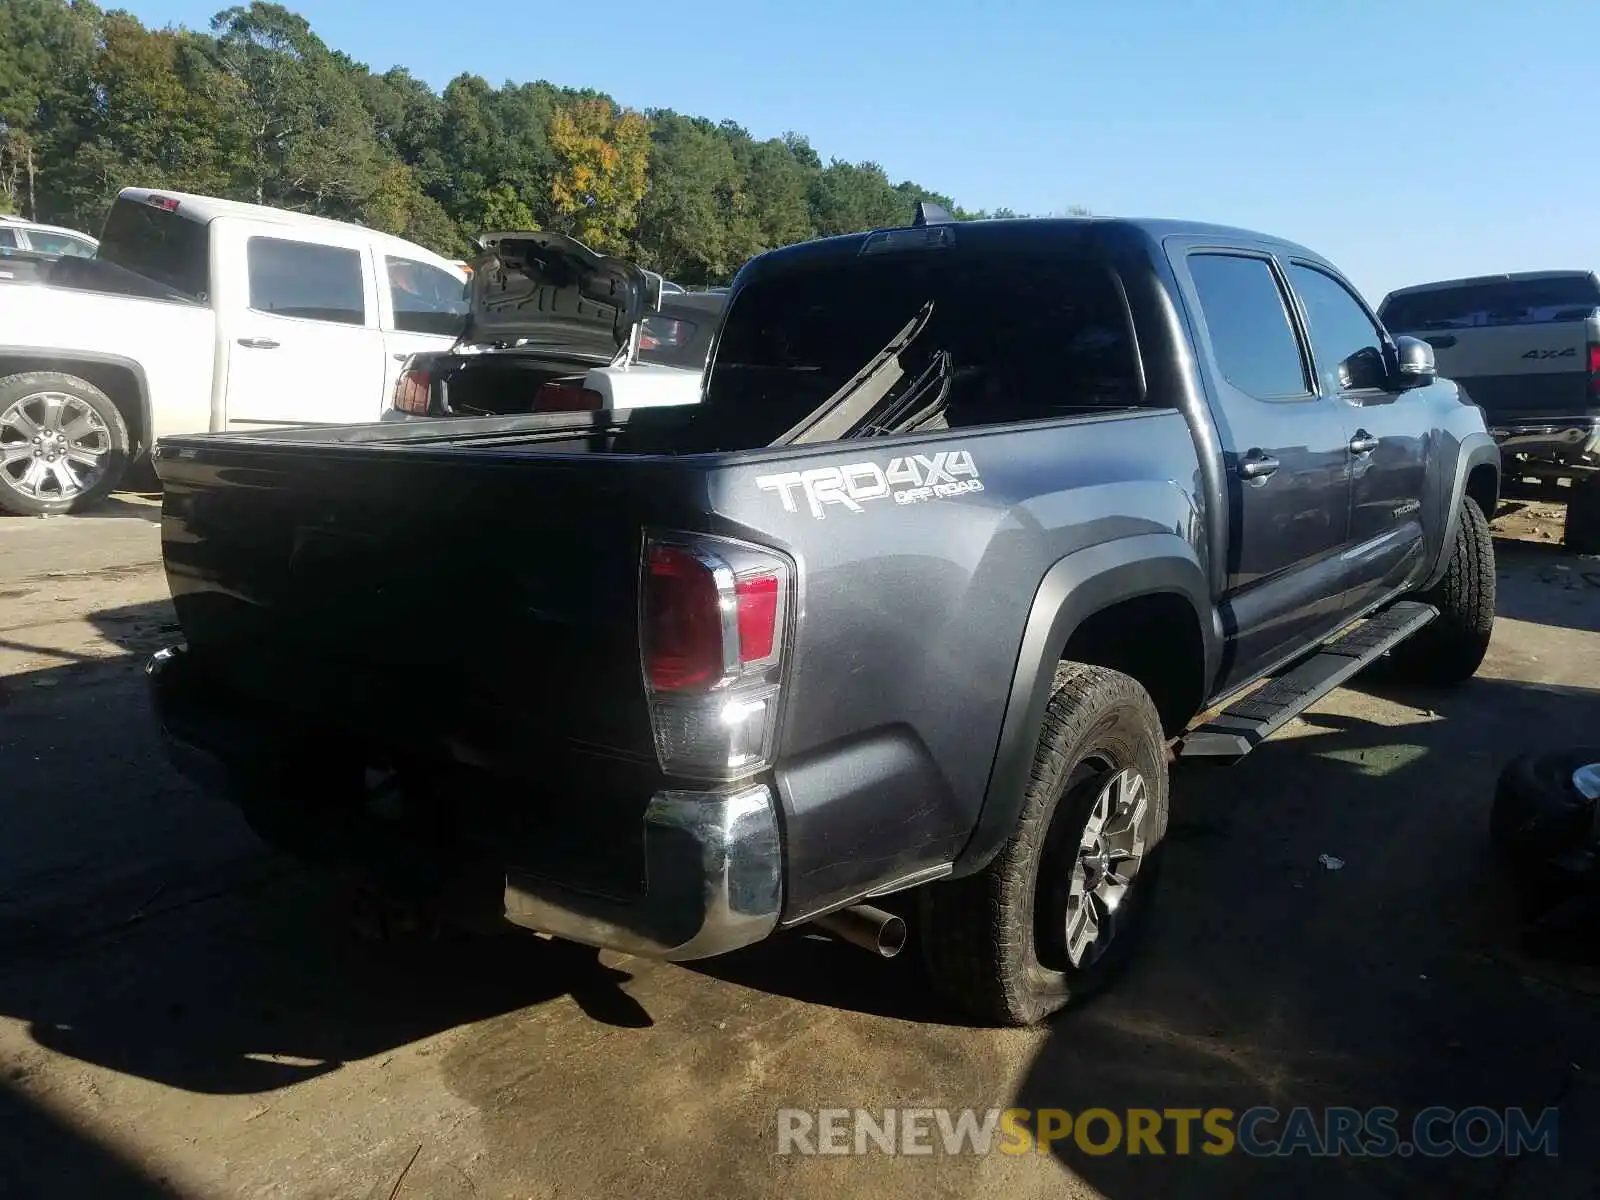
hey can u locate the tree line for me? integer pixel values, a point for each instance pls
(260, 109)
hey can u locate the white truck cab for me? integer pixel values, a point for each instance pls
(201, 315)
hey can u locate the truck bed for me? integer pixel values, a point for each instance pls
(466, 593)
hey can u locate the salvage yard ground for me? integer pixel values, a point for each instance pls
(178, 1015)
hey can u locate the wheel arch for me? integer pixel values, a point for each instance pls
(1086, 608)
(120, 378)
(1476, 474)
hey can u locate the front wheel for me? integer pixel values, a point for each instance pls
(1451, 647)
(1063, 903)
(63, 443)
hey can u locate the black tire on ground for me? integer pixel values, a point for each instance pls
(1538, 813)
(996, 942)
(52, 497)
(1581, 533)
(1450, 648)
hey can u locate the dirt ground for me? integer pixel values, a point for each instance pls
(181, 1015)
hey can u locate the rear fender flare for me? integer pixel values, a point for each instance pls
(1074, 589)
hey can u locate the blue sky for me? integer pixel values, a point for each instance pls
(1404, 142)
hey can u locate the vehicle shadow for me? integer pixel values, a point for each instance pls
(1386, 974)
(125, 503)
(1546, 585)
(143, 927)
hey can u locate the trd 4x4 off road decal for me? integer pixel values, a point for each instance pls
(908, 480)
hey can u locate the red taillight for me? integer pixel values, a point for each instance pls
(713, 623)
(567, 397)
(757, 601)
(164, 203)
(682, 621)
(1594, 369)
(411, 392)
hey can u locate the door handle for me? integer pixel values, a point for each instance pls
(1363, 443)
(1257, 465)
(258, 343)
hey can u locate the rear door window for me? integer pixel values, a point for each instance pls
(8, 238)
(425, 299)
(1028, 336)
(1499, 302)
(1247, 318)
(306, 280)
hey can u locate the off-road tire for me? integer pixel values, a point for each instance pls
(1450, 648)
(16, 387)
(1581, 531)
(980, 941)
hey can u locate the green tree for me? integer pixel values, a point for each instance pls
(260, 109)
(602, 160)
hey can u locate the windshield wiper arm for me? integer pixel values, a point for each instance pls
(842, 413)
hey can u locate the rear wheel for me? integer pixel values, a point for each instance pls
(63, 444)
(1062, 905)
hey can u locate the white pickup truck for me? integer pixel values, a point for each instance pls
(200, 315)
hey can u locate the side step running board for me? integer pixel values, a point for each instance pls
(1245, 724)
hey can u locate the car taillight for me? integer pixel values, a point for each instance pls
(164, 203)
(1594, 369)
(713, 626)
(566, 397)
(411, 392)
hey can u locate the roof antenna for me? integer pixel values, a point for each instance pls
(929, 213)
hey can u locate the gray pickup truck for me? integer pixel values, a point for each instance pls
(977, 527)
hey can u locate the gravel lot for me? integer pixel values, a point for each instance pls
(180, 1015)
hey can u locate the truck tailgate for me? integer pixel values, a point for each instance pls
(1514, 370)
(350, 585)
(1520, 345)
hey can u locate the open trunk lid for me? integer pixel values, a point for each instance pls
(550, 294)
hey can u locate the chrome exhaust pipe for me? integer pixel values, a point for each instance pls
(884, 934)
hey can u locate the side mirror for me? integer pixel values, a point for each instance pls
(1414, 364)
(1364, 370)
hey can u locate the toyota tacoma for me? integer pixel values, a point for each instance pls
(976, 528)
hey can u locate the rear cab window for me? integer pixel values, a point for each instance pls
(1247, 319)
(1492, 303)
(306, 280)
(1029, 335)
(165, 246)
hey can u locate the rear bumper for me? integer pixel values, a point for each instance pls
(713, 861)
(1564, 440)
(715, 882)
